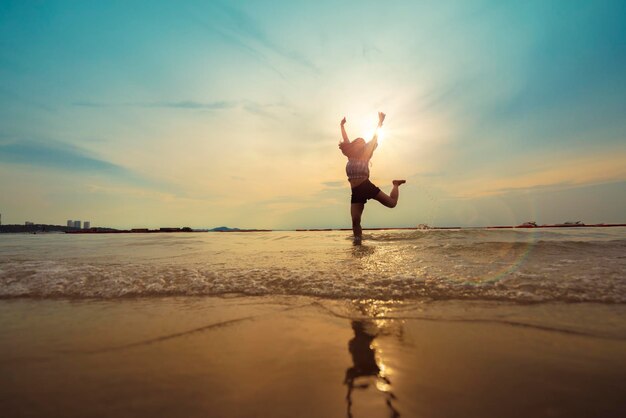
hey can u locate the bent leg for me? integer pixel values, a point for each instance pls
(390, 200)
(356, 209)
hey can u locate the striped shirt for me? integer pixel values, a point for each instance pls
(357, 169)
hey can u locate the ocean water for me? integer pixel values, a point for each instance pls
(533, 265)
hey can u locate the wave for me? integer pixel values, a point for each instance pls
(70, 280)
(518, 266)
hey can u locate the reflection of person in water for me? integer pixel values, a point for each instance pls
(364, 364)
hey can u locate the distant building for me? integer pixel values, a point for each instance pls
(87, 225)
(27, 223)
(77, 224)
(70, 223)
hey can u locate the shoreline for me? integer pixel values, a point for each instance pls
(435, 228)
(189, 230)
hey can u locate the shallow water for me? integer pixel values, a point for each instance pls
(542, 265)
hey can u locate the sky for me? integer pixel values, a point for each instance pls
(209, 113)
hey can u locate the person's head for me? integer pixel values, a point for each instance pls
(354, 148)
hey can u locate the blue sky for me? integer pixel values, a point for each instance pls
(209, 113)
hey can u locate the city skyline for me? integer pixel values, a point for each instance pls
(227, 113)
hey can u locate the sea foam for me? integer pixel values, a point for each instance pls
(510, 265)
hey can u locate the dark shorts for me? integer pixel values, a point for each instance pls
(364, 191)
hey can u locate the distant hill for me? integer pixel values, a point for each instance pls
(224, 229)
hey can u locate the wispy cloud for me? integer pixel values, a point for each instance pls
(260, 109)
(239, 29)
(190, 104)
(248, 30)
(334, 184)
(573, 172)
(183, 104)
(61, 156)
(243, 46)
(53, 154)
(13, 97)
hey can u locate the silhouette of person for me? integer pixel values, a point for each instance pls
(364, 364)
(359, 154)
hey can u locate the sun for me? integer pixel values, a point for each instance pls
(369, 134)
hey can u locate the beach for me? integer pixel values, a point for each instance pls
(303, 324)
(288, 356)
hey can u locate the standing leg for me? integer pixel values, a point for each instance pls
(390, 200)
(356, 209)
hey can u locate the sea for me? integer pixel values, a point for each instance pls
(522, 266)
(413, 323)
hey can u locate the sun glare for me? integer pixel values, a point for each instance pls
(369, 134)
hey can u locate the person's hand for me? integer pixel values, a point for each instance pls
(381, 118)
(343, 121)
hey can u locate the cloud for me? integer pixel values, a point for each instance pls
(260, 109)
(239, 29)
(334, 184)
(53, 154)
(256, 54)
(84, 103)
(56, 155)
(182, 104)
(567, 173)
(249, 30)
(190, 104)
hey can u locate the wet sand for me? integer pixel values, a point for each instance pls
(305, 357)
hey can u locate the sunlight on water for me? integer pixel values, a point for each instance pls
(536, 265)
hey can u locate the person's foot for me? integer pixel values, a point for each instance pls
(398, 182)
(357, 241)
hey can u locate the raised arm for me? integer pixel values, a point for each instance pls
(373, 143)
(381, 119)
(344, 135)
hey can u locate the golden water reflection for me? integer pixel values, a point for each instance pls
(368, 364)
